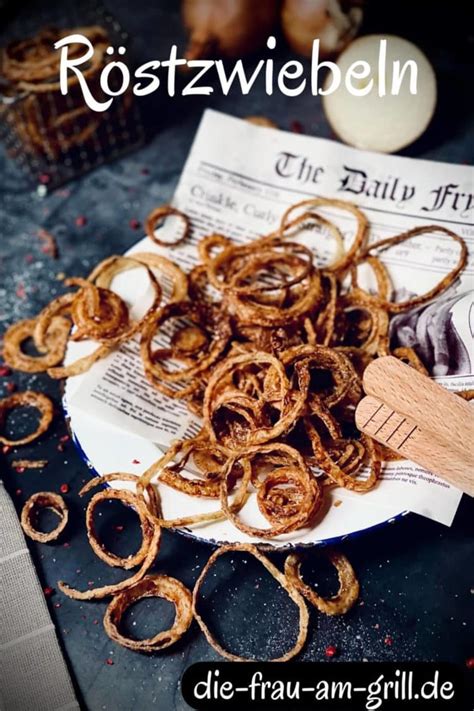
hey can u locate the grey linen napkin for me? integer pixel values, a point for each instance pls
(33, 674)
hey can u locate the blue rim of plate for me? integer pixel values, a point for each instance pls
(188, 533)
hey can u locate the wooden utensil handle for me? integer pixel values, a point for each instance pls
(443, 436)
(402, 434)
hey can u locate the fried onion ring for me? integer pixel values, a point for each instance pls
(335, 472)
(42, 500)
(151, 586)
(214, 330)
(285, 584)
(360, 237)
(147, 528)
(52, 346)
(246, 406)
(346, 596)
(301, 511)
(28, 398)
(114, 589)
(446, 281)
(157, 216)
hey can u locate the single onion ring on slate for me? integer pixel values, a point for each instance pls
(42, 500)
(346, 596)
(151, 586)
(278, 575)
(146, 525)
(28, 398)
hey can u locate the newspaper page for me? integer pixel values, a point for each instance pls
(238, 180)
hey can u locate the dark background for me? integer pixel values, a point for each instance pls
(416, 576)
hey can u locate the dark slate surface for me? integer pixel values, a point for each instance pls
(416, 576)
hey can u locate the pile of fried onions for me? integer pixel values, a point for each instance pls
(264, 345)
(269, 349)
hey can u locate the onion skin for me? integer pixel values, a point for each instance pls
(228, 28)
(303, 21)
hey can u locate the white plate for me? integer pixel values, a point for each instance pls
(107, 448)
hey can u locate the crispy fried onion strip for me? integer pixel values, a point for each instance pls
(334, 471)
(360, 236)
(147, 527)
(446, 281)
(211, 242)
(322, 326)
(268, 282)
(102, 277)
(203, 483)
(200, 336)
(98, 314)
(410, 357)
(346, 596)
(41, 500)
(156, 218)
(288, 496)
(167, 471)
(81, 365)
(29, 463)
(277, 267)
(347, 454)
(285, 584)
(52, 346)
(28, 398)
(382, 277)
(151, 586)
(60, 306)
(304, 221)
(283, 495)
(286, 304)
(361, 324)
(152, 499)
(114, 589)
(167, 272)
